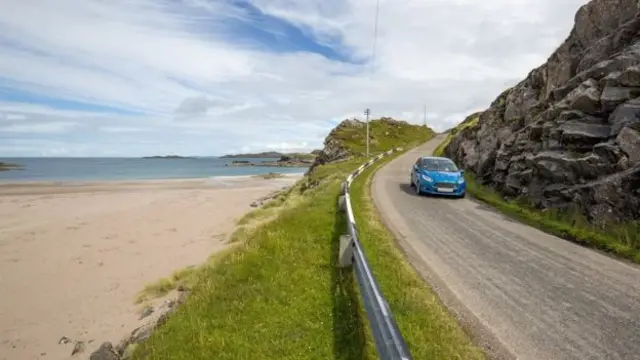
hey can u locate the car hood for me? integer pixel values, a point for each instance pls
(443, 176)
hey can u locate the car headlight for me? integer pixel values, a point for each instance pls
(461, 180)
(426, 178)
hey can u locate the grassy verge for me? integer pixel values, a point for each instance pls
(430, 331)
(619, 239)
(278, 293)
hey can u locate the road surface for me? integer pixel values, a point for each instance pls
(523, 293)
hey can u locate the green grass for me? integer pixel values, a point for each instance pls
(384, 136)
(430, 331)
(184, 277)
(622, 240)
(468, 122)
(277, 293)
(302, 156)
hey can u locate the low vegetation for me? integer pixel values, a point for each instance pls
(619, 239)
(384, 135)
(278, 294)
(468, 122)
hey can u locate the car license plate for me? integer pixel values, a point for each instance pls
(447, 190)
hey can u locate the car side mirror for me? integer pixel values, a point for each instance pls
(415, 167)
(461, 172)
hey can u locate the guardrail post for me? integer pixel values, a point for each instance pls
(346, 251)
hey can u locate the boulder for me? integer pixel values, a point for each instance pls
(106, 351)
(629, 141)
(627, 114)
(582, 136)
(585, 98)
(613, 96)
(630, 77)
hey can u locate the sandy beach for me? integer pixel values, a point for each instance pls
(74, 256)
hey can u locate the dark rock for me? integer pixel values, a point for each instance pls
(614, 96)
(78, 348)
(630, 77)
(582, 136)
(105, 352)
(585, 98)
(148, 310)
(629, 141)
(627, 114)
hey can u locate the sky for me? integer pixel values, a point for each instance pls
(211, 77)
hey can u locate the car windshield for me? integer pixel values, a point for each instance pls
(439, 165)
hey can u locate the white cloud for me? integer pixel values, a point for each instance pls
(205, 86)
(46, 128)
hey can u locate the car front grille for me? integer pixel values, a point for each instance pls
(445, 185)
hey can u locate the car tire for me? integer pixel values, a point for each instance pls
(417, 185)
(411, 184)
(462, 196)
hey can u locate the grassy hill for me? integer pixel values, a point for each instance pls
(278, 293)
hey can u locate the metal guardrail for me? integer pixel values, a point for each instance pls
(389, 341)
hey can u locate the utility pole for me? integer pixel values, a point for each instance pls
(367, 112)
(425, 115)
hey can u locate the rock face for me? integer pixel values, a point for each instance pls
(569, 134)
(334, 147)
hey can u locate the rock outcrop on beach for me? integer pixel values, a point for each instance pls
(157, 317)
(284, 161)
(569, 134)
(8, 166)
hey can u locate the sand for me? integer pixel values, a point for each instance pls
(74, 256)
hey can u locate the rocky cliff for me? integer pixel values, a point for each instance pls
(569, 133)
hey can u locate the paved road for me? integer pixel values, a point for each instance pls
(523, 293)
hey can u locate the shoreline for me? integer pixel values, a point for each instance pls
(214, 182)
(79, 254)
(17, 182)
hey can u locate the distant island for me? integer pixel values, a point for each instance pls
(8, 166)
(273, 155)
(169, 157)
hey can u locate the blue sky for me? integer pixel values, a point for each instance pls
(208, 77)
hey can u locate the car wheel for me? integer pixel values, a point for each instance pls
(462, 195)
(417, 185)
(411, 181)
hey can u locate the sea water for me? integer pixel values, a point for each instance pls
(116, 169)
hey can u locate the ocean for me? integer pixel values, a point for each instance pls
(118, 169)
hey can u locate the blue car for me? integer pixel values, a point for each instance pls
(438, 176)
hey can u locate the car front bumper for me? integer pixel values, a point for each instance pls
(430, 188)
